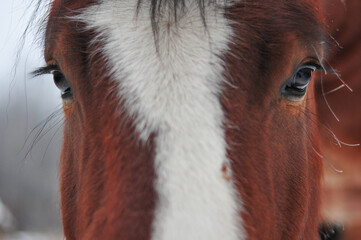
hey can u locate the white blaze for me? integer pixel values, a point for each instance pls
(175, 93)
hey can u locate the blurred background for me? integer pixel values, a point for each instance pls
(30, 131)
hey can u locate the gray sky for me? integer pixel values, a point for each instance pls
(28, 186)
(14, 16)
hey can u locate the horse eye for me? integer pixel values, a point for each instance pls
(63, 84)
(296, 87)
(302, 78)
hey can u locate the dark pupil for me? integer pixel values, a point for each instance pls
(61, 82)
(302, 78)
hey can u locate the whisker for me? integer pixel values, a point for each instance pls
(340, 143)
(307, 133)
(320, 60)
(335, 41)
(322, 87)
(350, 144)
(43, 130)
(319, 124)
(47, 131)
(314, 149)
(324, 97)
(47, 119)
(332, 70)
(333, 166)
(51, 139)
(318, 154)
(339, 78)
(335, 89)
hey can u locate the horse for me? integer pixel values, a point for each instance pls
(188, 119)
(341, 197)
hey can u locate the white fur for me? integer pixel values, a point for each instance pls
(175, 94)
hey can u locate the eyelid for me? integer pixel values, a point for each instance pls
(320, 67)
(312, 64)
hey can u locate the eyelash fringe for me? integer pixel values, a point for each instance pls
(44, 70)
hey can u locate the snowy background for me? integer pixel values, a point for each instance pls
(29, 146)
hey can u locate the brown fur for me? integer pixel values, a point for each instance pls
(107, 174)
(270, 139)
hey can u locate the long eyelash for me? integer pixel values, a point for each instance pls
(44, 70)
(326, 70)
(316, 65)
(319, 67)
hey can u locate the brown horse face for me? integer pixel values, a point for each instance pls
(198, 126)
(271, 132)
